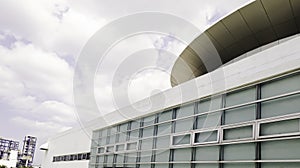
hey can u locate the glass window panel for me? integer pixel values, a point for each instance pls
(239, 152)
(135, 124)
(100, 133)
(94, 143)
(149, 120)
(110, 149)
(209, 104)
(216, 103)
(104, 132)
(132, 146)
(120, 147)
(146, 144)
(165, 116)
(238, 132)
(207, 153)
(181, 165)
(101, 150)
(181, 139)
(102, 141)
(123, 127)
(281, 86)
(162, 156)
(241, 96)
(184, 124)
(209, 136)
(241, 114)
(110, 158)
(148, 131)
(163, 142)
(120, 158)
(161, 165)
(94, 150)
(183, 154)
(203, 106)
(134, 134)
(164, 128)
(145, 165)
(280, 150)
(145, 156)
(113, 130)
(206, 165)
(282, 106)
(211, 120)
(280, 127)
(122, 137)
(280, 165)
(112, 139)
(95, 134)
(131, 157)
(239, 165)
(100, 159)
(185, 111)
(97, 159)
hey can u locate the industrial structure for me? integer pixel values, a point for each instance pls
(234, 103)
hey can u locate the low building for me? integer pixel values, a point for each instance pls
(9, 152)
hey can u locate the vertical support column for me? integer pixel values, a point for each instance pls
(258, 116)
(222, 122)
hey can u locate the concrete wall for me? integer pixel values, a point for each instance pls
(70, 142)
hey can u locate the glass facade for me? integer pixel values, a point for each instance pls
(256, 126)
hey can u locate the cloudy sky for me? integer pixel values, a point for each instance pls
(40, 41)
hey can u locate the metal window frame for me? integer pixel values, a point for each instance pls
(184, 119)
(233, 126)
(118, 144)
(130, 136)
(104, 150)
(180, 134)
(109, 152)
(131, 142)
(169, 123)
(273, 120)
(206, 130)
(148, 127)
(145, 139)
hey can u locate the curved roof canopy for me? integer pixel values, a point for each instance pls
(254, 25)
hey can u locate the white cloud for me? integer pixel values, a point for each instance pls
(36, 21)
(33, 71)
(55, 111)
(36, 84)
(35, 127)
(2, 37)
(148, 83)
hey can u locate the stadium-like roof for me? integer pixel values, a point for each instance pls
(257, 24)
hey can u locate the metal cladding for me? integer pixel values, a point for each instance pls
(254, 25)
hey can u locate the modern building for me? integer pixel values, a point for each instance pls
(235, 103)
(27, 155)
(8, 152)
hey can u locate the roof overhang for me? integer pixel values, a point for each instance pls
(254, 25)
(45, 146)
